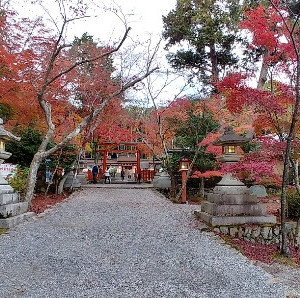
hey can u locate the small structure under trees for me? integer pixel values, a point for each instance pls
(231, 203)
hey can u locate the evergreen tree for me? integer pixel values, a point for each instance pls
(207, 33)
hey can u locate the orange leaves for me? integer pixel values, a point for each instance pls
(177, 110)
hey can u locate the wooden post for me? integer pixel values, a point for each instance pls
(104, 160)
(138, 162)
(183, 179)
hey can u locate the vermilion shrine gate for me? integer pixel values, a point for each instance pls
(127, 155)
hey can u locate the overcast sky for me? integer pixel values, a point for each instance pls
(143, 16)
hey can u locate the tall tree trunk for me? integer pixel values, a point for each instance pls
(284, 247)
(173, 185)
(284, 244)
(214, 62)
(202, 193)
(297, 234)
(263, 72)
(31, 180)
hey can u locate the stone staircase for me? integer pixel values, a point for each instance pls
(12, 211)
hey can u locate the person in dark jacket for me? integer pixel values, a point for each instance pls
(122, 174)
(95, 171)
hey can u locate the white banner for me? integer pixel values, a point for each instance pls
(6, 169)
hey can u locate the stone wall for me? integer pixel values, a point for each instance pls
(264, 234)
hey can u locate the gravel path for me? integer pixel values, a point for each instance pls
(123, 243)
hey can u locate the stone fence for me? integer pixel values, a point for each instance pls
(264, 234)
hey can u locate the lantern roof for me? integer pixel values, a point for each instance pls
(230, 138)
(184, 159)
(6, 135)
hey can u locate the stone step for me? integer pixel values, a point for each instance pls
(10, 222)
(9, 198)
(234, 199)
(235, 220)
(6, 189)
(13, 209)
(230, 210)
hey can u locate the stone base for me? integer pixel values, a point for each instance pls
(234, 199)
(13, 209)
(233, 209)
(235, 220)
(10, 222)
(231, 203)
(5, 189)
(72, 181)
(82, 179)
(9, 198)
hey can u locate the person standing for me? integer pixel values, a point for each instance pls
(139, 176)
(95, 171)
(107, 176)
(122, 174)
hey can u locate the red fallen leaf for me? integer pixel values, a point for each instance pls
(262, 252)
(41, 202)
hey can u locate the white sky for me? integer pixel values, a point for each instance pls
(143, 16)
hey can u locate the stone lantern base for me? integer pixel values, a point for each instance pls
(232, 204)
(12, 211)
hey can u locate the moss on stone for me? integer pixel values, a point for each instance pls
(2, 231)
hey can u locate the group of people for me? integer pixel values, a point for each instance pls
(95, 172)
(106, 175)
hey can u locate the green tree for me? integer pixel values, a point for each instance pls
(207, 32)
(188, 134)
(6, 112)
(24, 150)
(191, 132)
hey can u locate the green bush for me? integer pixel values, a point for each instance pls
(293, 204)
(18, 181)
(24, 150)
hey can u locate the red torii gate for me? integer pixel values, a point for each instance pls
(111, 148)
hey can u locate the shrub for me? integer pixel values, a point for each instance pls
(24, 150)
(293, 204)
(18, 181)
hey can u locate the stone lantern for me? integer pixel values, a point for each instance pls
(12, 211)
(4, 137)
(230, 142)
(231, 202)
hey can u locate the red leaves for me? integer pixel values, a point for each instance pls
(233, 88)
(260, 166)
(256, 251)
(207, 174)
(259, 172)
(238, 95)
(263, 24)
(41, 202)
(209, 139)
